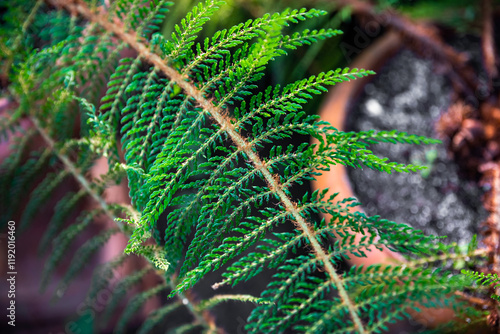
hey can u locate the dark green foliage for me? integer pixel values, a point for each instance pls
(186, 122)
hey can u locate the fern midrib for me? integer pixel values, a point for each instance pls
(76, 174)
(237, 210)
(225, 124)
(482, 252)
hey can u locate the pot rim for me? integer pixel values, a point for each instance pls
(339, 100)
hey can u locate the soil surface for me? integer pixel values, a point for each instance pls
(408, 95)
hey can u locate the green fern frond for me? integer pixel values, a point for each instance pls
(121, 289)
(82, 258)
(490, 280)
(184, 34)
(63, 241)
(40, 196)
(104, 274)
(62, 210)
(187, 328)
(157, 316)
(134, 304)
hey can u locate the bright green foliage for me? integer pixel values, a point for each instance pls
(187, 123)
(482, 279)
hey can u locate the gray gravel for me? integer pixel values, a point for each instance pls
(409, 96)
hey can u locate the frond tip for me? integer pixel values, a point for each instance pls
(489, 280)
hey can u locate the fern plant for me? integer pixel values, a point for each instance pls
(186, 122)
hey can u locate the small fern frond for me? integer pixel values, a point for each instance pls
(148, 20)
(184, 34)
(82, 257)
(62, 210)
(136, 303)
(40, 196)
(157, 316)
(120, 291)
(63, 241)
(482, 279)
(104, 275)
(215, 300)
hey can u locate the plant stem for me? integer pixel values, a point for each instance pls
(491, 200)
(488, 42)
(423, 36)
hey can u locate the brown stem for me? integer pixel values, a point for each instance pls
(422, 36)
(488, 42)
(473, 300)
(491, 177)
(491, 201)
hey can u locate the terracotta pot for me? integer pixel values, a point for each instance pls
(334, 111)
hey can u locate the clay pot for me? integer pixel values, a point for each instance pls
(334, 111)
